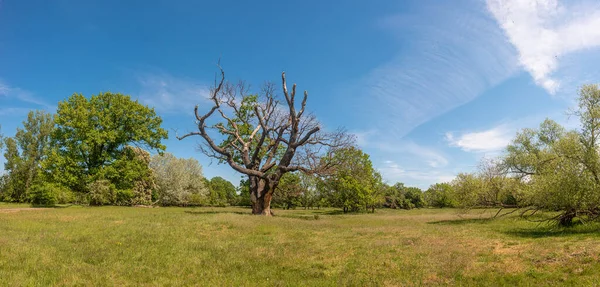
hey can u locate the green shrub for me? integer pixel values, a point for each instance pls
(64, 195)
(102, 192)
(197, 199)
(81, 198)
(43, 194)
(124, 196)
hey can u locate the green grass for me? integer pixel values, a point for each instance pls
(120, 246)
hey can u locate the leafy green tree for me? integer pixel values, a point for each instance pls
(440, 195)
(132, 177)
(288, 192)
(244, 193)
(400, 196)
(90, 139)
(561, 169)
(414, 197)
(467, 189)
(24, 153)
(222, 192)
(491, 186)
(355, 185)
(310, 195)
(179, 181)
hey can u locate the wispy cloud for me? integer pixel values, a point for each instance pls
(14, 111)
(364, 138)
(491, 140)
(420, 154)
(544, 30)
(422, 178)
(432, 157)
(169, 94)
(15, 101)
(448, 62)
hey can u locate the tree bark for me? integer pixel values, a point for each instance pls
(261, 193)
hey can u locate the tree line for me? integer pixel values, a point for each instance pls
(107, 149)
(96, 151)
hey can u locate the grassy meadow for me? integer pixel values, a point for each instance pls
(126, 246)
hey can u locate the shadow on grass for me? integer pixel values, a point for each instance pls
(51, 206)
(303, 217)
(462, 221)
(545, 231)
(311, 216)
(201, 212)
(328, 212)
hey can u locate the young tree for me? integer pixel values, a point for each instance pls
(289, 191)
(355, 185)
(222, 192)
(263, 140)
(91, 137)
(310, 195)
(414, 197)
(24, 152)
(440, 195)
(467, 189)
(243, 198)
(179, 181)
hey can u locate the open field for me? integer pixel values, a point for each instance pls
(110, 246)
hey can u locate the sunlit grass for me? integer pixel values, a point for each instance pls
(115, 246)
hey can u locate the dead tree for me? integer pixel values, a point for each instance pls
(264, 140)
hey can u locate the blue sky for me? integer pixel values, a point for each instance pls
(429, 87)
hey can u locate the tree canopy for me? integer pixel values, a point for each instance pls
(24, 153)
(91, 135)
(355, 184)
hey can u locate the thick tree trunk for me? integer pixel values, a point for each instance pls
(262, 206)
(261, 193)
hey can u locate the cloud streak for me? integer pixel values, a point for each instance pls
(543, 31)
(447, 63)
(421, 154)
(15, 101)
(169, 94)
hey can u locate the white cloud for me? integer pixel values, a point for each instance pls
(491, 140)
(544, 30)
(169, 94)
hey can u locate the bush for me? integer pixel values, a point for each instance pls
(102, 192)
(44, 194)
(124, 197)
(81, 198)
(64, 195)
(197, 199)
